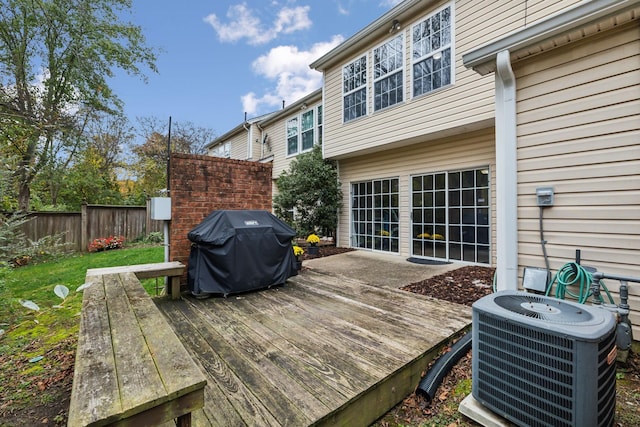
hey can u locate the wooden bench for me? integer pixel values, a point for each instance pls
(130, 369)
(173, 270)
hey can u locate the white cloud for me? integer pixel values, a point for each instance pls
(288, 67)
(244, 24)
(291, 20)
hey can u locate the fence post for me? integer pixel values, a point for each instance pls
(147, 221)
(83, 229)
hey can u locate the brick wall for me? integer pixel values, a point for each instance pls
(202, 184)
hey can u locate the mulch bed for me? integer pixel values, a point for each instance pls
(464, 285)
(324, 251)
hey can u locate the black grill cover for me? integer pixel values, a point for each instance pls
(236, 251)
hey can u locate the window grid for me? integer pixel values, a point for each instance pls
(450, 215)
(432, 52)
(320, 119)
(292, 136)
(354, 89)
(307, 130)
(222, 150)
(301, 131)
(374, 212)
(388, 73)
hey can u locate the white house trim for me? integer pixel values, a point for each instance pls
(506, 175)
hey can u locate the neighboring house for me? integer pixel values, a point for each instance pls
(277, 137)
(244, 142)
(439, 162)
(294, 130)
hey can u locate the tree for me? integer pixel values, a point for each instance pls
(7, 201)
(55, 59)
(149, 166)
(91, 174)
(309, 194)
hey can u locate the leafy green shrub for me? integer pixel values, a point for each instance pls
(17, 250)
(154, 237)
(309, 194)
(12, 239)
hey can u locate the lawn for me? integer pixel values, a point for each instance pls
(37, 347)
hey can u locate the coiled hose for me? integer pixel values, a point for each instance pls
(570, 276)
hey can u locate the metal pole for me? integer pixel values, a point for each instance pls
(166, 223)
(169, 158)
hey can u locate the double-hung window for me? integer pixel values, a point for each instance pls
(354, 89)
(432, 52)
(292, 136)
(303, 131)
(320, 120)
(308, 129)
(388, 73)
(222, 150)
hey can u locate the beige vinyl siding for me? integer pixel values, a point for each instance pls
(278, 143)
(239, 146)
(464, 151)
(468, 103)
(252, 143)
(536, 10)
(579, 131)
(256, 143)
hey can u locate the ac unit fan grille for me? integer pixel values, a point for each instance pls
(606, 381)
(541, 308)
(525, 371)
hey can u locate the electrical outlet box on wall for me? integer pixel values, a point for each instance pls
(161, 208)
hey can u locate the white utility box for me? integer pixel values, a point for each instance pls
(161, 208)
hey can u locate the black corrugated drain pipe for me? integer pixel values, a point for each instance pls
(432, 380)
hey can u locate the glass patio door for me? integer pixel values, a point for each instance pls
(375, 215)
(450, 215)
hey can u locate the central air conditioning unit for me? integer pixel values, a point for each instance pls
(541, 361)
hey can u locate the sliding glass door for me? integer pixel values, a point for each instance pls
(450, 215)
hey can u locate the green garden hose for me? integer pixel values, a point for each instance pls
(573, 275)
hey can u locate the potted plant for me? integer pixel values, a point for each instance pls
(298, 252)
(313, 240)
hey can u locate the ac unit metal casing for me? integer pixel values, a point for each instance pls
(541, 361)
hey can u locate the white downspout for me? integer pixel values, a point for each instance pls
(506, 175)
(248, 129)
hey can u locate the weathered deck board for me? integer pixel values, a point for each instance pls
(142, 271)
(131, 369)
(94, 370)
(320, 350)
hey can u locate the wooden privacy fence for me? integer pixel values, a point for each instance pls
(94, 221)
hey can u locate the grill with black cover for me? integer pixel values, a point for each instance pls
(234, 251)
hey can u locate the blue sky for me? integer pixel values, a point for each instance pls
(219, 59)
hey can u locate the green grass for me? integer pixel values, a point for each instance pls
(28, 333)
(36, 283)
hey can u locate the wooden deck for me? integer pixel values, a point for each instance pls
(319, 350)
